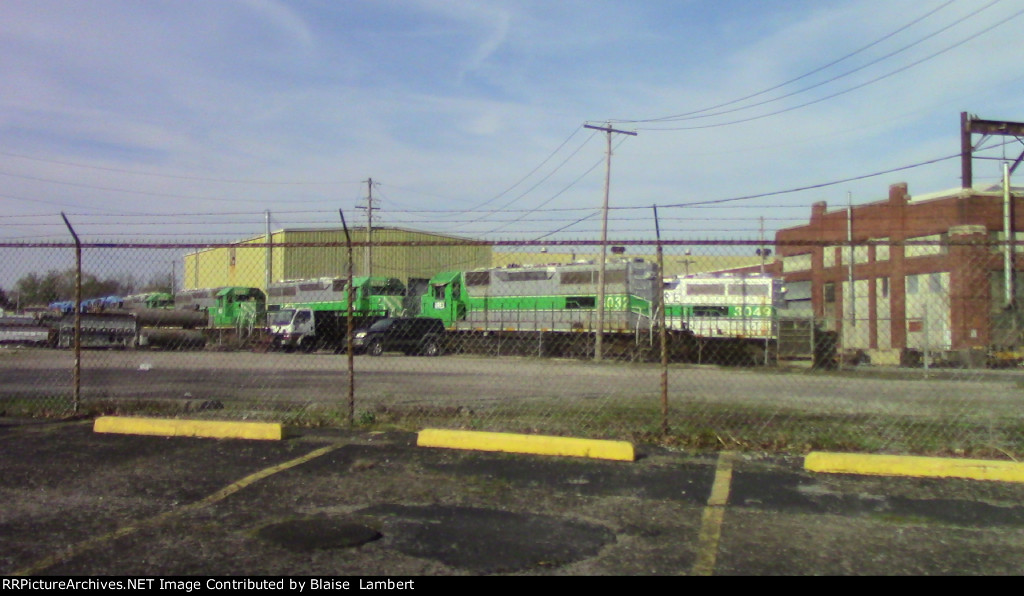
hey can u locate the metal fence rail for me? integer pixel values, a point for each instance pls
(921, 358)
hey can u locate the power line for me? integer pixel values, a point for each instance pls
(567, 187)
(542, 180)
(685, 115)
(539, 166)
(850, 89)
(813, 186)
(173, 176)
(517, 183)
(837, 77)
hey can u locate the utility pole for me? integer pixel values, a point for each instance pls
(850, 265)
(368, 251)
(1008, 247)
(762, 252)
(599, 336)
(269, 257)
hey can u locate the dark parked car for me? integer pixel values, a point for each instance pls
(412, 335)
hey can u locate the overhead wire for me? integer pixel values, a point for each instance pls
(522, 179)
(699, 114)
(567, 187)
(545, 178)
(713, 203)
(847, 90)
(802, 76)
(173, 176)
(538, 167)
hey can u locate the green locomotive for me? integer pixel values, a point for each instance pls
(311, 314)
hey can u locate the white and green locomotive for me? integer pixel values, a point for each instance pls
(561, 297)
(548, 310)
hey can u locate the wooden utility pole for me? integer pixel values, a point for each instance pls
(599, 336)
(850, 266)
(269, 257)
(368, 251)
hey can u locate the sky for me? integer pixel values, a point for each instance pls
(196, 120)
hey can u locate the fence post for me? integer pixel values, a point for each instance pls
(926, 356)
(659, 301)
(77, 376)
(348, 327)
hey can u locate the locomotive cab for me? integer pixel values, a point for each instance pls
(445, 300)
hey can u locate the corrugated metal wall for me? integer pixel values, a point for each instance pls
(242, 266)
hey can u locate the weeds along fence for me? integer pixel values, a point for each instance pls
(707, 345)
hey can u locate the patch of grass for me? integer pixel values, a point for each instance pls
(694, 425)
(901, 520)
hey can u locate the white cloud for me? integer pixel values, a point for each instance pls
(456, 101)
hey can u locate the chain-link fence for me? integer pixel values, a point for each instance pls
(700, 344)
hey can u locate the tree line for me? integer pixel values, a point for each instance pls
(34, 289)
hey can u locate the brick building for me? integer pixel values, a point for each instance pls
(928, 273)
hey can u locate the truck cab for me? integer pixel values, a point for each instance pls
(292, 328)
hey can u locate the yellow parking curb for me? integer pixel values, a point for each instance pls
(168, 427)
(536, 444)
(906, 465)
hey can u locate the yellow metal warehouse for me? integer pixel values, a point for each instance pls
(312, 253)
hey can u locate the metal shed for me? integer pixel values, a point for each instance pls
(409, 255)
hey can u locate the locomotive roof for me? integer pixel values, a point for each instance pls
(445, 277)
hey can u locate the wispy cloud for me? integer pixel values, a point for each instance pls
(450, 102)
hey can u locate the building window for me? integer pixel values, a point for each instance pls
(912, 284)
(881, 250)
(935, 283)
(830, 292)
(923, 246)
(796, 263)
(883, 287)
(829, 256)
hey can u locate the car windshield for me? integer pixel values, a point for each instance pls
(281, 317)
(381, 325)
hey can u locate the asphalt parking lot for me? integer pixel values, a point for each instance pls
(328, 502)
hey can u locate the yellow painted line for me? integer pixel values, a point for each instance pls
(516, 443)
(170, 427)
(714, 512)
(906, 465)
(86, 545)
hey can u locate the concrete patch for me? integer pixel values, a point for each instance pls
(169, 427)
(535, 444)
(902, 465)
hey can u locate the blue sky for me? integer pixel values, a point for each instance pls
(188, 120)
